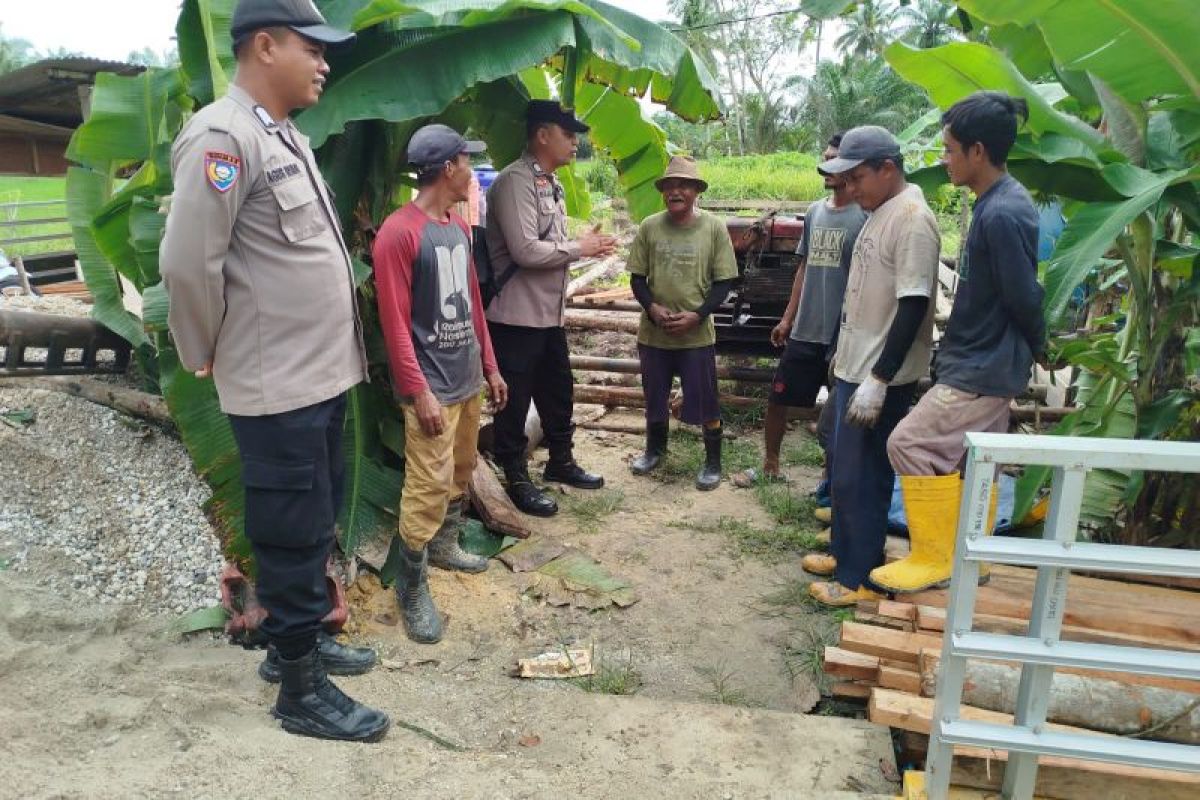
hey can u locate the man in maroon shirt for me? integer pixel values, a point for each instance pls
(441, 355)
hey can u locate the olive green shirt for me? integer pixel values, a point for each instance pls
(681, 263)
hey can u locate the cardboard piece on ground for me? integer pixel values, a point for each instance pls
(531, 554)
(570, 663)
(492, 503)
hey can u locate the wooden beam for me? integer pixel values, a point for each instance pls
(885, 643)
(850, 665)
(911, 713)
(902, 680)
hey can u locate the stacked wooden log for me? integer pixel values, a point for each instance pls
(890, 653)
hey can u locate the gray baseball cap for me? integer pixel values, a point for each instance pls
(302, 16)
(858, 145)
(435, 144)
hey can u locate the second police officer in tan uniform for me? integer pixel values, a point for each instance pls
(530, 254)
(262, 299)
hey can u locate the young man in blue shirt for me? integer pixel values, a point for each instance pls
(995, 333)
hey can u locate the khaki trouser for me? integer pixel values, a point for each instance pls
(929, 441)
(436, 469)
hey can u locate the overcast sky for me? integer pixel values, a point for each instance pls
(112, 29)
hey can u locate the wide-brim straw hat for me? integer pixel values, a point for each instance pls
(685, 168)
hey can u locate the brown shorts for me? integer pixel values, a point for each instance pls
(930, 440)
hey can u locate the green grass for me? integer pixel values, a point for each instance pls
(609, 678)
(15, 189)
(723, 690)
(770, 543)
(790, 509)
(805, 454)
(778, 176)
(685, 456)
(588, 510)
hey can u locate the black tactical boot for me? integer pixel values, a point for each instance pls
(336, 659)
(561, 468)
(656, 449)
(527, 497)
(709, 476)
(443, 548)
(309, 705)
(422, 622)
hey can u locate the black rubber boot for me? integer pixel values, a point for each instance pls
(709, 476)
(561, 468)
(422, 622)
(527, 497)
(444, 550)
(336, 659)
(656, 449)
(309, 705)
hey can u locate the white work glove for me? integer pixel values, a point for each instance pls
(866, 403)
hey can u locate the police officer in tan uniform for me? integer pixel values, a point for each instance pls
(530, 253)
(262, 300)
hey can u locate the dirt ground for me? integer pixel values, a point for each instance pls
(100, 701)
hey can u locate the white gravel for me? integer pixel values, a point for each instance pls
(48, 304)
(95, 501)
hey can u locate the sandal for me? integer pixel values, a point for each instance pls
(749, 478)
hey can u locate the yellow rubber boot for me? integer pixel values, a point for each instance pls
(931, 506)
(819, 564)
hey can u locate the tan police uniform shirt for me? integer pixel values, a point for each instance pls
(527, 225)
(259, 278)
(895, 255)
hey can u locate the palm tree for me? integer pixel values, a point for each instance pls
(868, 29)
(859, 92)
(927, 24)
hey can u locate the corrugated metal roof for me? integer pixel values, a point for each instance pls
(48, 91)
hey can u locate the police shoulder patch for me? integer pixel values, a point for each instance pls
(221, 170)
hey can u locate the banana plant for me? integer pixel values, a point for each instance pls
(469, 63)
(1114, 131)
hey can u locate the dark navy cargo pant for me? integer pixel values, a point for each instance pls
(292, 470)
(861, 484)
(536, 365)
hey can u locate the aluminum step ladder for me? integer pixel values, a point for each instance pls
(1040, 651)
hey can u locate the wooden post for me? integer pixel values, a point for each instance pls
(19, 264)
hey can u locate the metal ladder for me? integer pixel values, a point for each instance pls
(1041, 649)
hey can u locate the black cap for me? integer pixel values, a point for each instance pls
(301, 16)
(436, 144)
(858, 145)
(552, 111)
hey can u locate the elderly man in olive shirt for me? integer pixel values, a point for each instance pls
(530, 253)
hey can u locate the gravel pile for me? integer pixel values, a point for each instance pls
(48, 304)
(93, 501)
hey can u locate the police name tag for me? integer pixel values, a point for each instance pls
(221, 170)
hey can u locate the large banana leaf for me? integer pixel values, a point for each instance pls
(1143, 49)
(637, 145)
(953, 71)
(206, 47)
(1091, 231)
(86, 190)
(420, 81)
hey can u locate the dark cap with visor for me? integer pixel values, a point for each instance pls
(861, 144)
(437, 144)
(302, 16)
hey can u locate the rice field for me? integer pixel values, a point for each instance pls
(32, 190)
